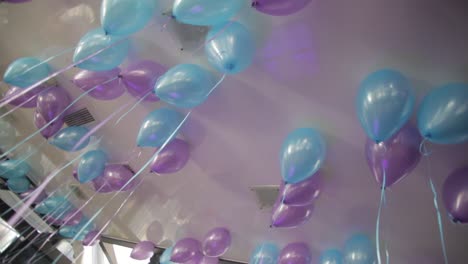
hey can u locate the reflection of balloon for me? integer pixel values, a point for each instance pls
(143, 250)
(108, 59)
(13, 168)
(117, 176)
(205, 12)
(166, 256)
(7, 134)
(157, 127)
(26, 100)
(50, 105)
(27, 194)
(155, 232)
(359, 250)
(455, 195)
(25, 72)
(125, 17)
(67, 138)
(91, 165)
(295, 253)
(185, 85)
(302, 154)
(98, 82)
(217, 241)
(185, 250)
(265, 253)
(290, 216)
(18, 185)
(302, 193)
(443, 114)
(331, 256)
(72, 218)
(279, 7)
(172, 158)
(384, 103)
(51, 129)
(230, 47)
(91, 238)
(140, 77)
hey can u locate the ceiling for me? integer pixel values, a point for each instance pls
(306, 73)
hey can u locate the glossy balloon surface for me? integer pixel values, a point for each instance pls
(25, 72)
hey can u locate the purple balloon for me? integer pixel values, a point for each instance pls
(29, 99)
(51, 102)
(172, 158)
(217, 241)
(75, 174)
(140, 77)
(302, 193)
(279, 7)
(143, 250)
(51, 129)
(290, 216)
(72, 218)
(397, 156)
(295, 253)
(186, 249)
(91, 238)
(103, 89)
(42, 196)
(101, 185)
(455, 195)
(16, 1)
(117, 175)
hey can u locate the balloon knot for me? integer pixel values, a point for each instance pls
(271, 226)
(255, 3)
(120, 76)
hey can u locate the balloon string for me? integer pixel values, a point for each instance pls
(21, 105)
(134, 106)
(423, 148)
(377, 225)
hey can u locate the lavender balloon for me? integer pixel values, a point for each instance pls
(217, 241)
(455, 195)
(51, 102)
(397, 156)
(140, 77)
(51, 129)
(143, 250)
(172, 158)
(26, 100)
(105, 85)
(302, 193)
(101, 185)
(91, 238)
(117, 175)
(295, 253)
(185, 250)
(279, 7)
(286, 216)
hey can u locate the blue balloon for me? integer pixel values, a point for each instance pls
(331, 256)
(13, 168)
(265, 253)
(95, 40)
(302, 154)
(443, 114)
(72, 231)
(384, 103)
(230, 47)
(185, 85)
(359, 250)
(18, 185)
(25, 72)
(166, 256)
(54, 204)
(125, 17)
(158, 126)
(67, 138)
(205, 12)
(41, 208)
(91, 165)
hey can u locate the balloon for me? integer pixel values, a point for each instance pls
(117, 175)
(230, 47)
(295, 253)
(302, 155)
(185, 250)
(443, 114)
(172, 158)
(359, 250)
(91, 165)
(72, 231)
(331, 256)
(143, 250)
(384, 103)
(108, 59)
(51, 129)
(302, 193)
(7, 134)
(158, 126)
(25, 72)
(395, 157)
(58, 204)
(455, 195)
(265, 253)
(16, 1)
(279, 7)
(185, 85)
(72, 218)
(50, 105)
(98, 82)
(101, 185)
(155, 232)
(67, 138)
(205, 12)
(27, 194)
(26, 100)
(286, 216)
(125, 17)
(140, 77)
(13, 168)
(91, 238)
(18, 185)
(217, 241)
(166, 256)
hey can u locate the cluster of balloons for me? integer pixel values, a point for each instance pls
(358, 249)
(292, 253)
(14, 171)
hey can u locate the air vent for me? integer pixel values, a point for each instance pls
(266, 195)
(79, 118)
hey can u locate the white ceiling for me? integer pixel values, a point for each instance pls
(306, 73)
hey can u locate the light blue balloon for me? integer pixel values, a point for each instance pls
(72, 231)
(443, 114)
(67, 138)
(166, 256)
(25, 72)
(18, 185)
(185, 85)
(359, 250)
(125, 17)
(265, 253)
(331, 256)
(230, 47)
(95, 40)
(91, 165)
(384, 103)
(41, 208)
(302, 154)
(205, 12)
(158, 126)
(13, 168)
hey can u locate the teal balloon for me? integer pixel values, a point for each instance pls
(25, 72)
(205, 12)
(7, 134)
(302, 154)
(72, 231)
(91, 165)
(18, 185)
(158, 126)
(443, 114)
(13, 168)
(125, 17)
(166, 256)
(265, 253)
(95, 40)
(384, 103)
(230, 47)
(185, 85)
(67, 138)
(42, 209)
(54, 204)
(331, 256)
(359, 250)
